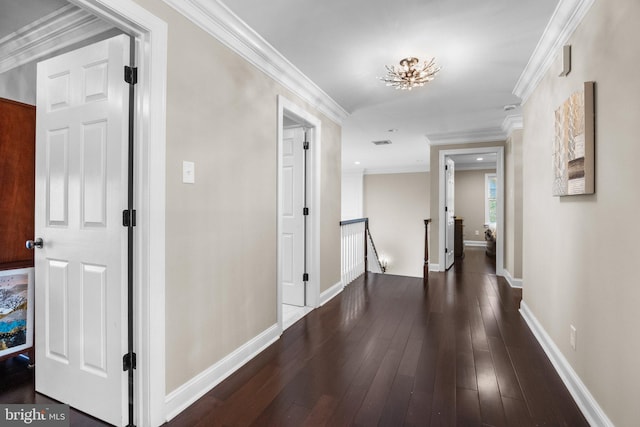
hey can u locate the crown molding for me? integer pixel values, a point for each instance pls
(396, 170)
(461, 167)
(57, 30)
(220, 22)
(472, 136)
(353, 171)
(511, 123)
(563, 22)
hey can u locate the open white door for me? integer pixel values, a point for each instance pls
(292, 238)
(449, 212)
(81, 191)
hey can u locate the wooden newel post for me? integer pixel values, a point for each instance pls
(425, 268)
(366, 260)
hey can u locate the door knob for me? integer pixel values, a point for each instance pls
(31, 244)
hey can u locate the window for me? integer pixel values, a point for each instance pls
(490, 202)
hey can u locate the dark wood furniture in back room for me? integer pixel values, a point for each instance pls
(17, 184)
(17, 175)
(458, 248)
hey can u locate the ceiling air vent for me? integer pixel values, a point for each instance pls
(382, 142)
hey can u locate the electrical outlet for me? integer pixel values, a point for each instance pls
(477, 233)
(572, 337)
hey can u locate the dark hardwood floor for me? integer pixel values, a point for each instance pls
(386, 352)
(17, 385)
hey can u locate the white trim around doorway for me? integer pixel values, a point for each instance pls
(292, 111)
(499, 151)
(150, 34)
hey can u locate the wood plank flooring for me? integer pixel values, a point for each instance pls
(17, 385)
(386, 352)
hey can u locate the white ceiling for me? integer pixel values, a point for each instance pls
(343, 46)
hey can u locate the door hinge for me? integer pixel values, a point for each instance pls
(129, 218)
(446, 167)
(305, 211)
(305, 145)
(129, 361)
(446, 209)
(130, 75)
(305, 277)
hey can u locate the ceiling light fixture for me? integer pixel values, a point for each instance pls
(410, 73)
(479, 159)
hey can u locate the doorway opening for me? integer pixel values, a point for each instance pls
(298, 213)
(449, 212)
(496, 210)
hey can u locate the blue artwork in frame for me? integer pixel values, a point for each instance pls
(16, 311)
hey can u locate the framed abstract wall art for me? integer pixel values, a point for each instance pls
(574, 144)
(16, 311)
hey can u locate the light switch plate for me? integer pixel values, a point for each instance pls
(188, 172)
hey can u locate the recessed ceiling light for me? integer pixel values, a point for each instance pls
(356, 163)
(479, 159)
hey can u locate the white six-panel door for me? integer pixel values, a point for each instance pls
(81, 191)
(450, 213)
(292, 233)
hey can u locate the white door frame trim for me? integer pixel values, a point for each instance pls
(499, 151)
(313, 124)
(449, 241)
(150, 34)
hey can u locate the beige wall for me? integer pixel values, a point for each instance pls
(397, 205)
(330, 203)
(513, 205)
(470, 200)
(581, 252)
(434, 227)
(221, 231)
(352, 196)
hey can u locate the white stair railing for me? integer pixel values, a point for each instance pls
(359, 253)
(353, 234)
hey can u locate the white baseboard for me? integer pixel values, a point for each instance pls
(580, 393)
(292, 317)
(185, 395)
(477, 243)
(514, 283)
(330, 293)
(434, 267)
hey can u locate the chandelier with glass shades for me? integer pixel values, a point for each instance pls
(410, 73)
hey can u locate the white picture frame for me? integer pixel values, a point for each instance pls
(15, 318)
